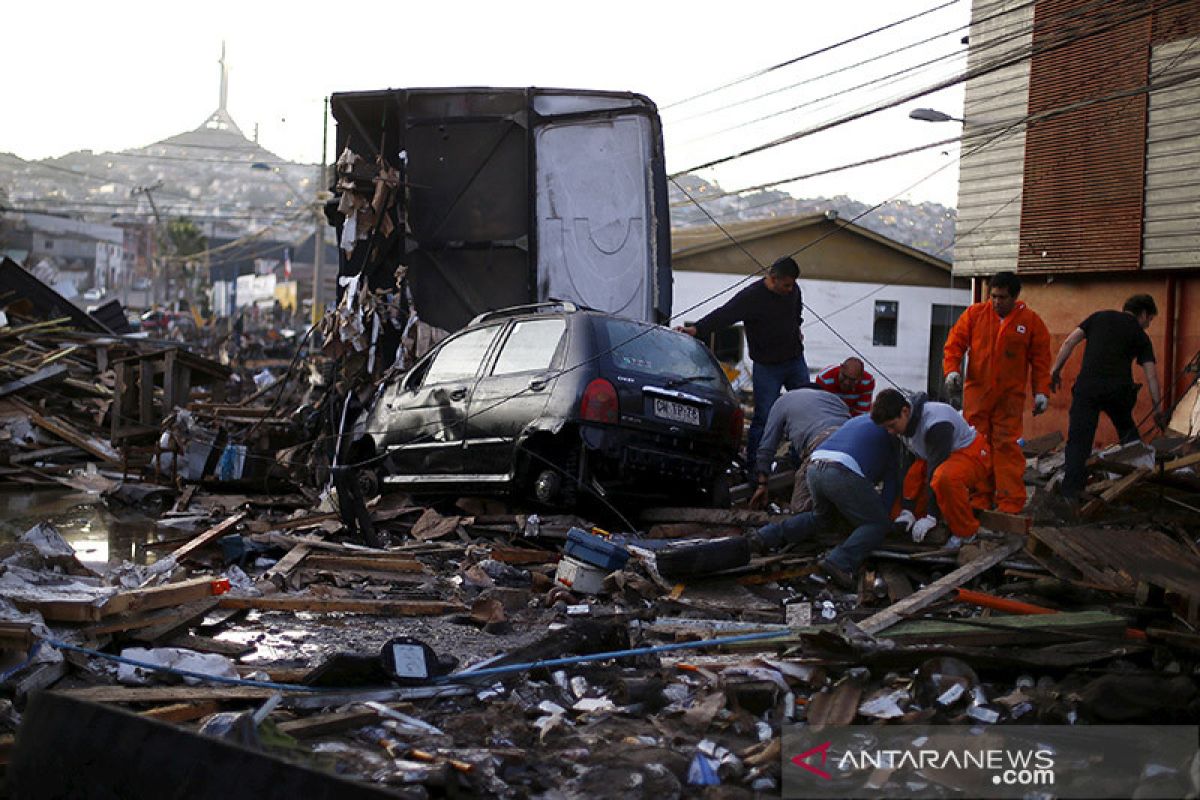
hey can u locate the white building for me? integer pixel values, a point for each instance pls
(866, 295)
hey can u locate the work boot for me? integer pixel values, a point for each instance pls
(841, 578)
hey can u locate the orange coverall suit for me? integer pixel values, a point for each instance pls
(962, 467)
(1004, 354)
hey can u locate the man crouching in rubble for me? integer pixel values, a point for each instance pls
(842, 476)
(953, 464)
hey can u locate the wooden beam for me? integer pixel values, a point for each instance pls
(277, 575)
(182, 712)
(210, 535)
(897, 612)
(321, 605)
(139, 621)
(1181, 462)
(1115, 491)
(44, 377)
(171, 594)
(710, 516)
(167, 694)
(382, 563)
(322, 724)
(1005, 523)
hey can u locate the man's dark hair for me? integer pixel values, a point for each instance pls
(1141, 304)
(785, 267)
(887, 406)
(1007, 280)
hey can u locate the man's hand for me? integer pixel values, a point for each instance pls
(1055, 381)
(758, 500)
(905, 518)
(1040, 403)
(954, 382)
(690, 330)
(921, 527)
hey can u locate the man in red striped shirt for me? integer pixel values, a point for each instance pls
(851, 382)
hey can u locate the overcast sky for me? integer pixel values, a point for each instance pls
(123, 74)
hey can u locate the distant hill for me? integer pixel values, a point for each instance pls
(925, 226)
(229, 184)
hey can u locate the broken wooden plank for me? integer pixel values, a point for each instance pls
(1181, 462)
(167, 694)
(321, 605)
(896, 612)
(174, 621)
(210, 535)
(263, 526)
(46, 453)
(171, 594)
(1041, 445)
(838, 706)
(277, 575)
(522, 555)
(207, 644)
(1115, 491)
(45, 378)
(146, 619)
(16, 636)
(334, 722)
(1005, 523)
(70, 434)
(182, 712)
(1009, 629)
(374, 563)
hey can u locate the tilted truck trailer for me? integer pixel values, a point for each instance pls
(499, 197)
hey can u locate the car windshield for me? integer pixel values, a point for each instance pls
(637, 347)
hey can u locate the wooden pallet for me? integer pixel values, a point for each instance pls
(1149, 565)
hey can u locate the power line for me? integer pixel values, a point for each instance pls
(968, 74)
(817, 52)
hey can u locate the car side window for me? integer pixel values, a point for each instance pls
(530, 346)
(459, 358)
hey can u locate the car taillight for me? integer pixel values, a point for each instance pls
(737, 424)
(599, 403)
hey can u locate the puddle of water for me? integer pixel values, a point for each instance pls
(98, 534)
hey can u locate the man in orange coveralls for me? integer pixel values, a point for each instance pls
(1007, 344)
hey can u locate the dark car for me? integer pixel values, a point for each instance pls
(553, 401)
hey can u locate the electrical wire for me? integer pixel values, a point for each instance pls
(805, 56)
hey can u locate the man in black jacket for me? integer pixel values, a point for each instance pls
(771, 310)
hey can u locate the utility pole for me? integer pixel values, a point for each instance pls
(319, 212)
(158, 228)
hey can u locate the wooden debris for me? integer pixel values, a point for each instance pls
(210, 535)
(1005, 523)
(183, 712)
(1115, 491)
(319, 605)
(375, 563)
(167, 694)
(838, 706)
(150, 626)
(896, 612)
(277, 575)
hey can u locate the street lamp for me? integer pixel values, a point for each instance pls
(932, 115)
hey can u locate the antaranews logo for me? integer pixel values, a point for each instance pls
(919, 761)
(802, 760)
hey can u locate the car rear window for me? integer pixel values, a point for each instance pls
(656, 351)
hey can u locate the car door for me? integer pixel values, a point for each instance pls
(513, 392)
(426, 416)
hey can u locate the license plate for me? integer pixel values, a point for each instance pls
(676, 412)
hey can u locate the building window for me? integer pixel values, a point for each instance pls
(887, 312)
(49, 244)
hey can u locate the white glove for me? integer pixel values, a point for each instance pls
(953, 382)
(921, 527)
(956, 542)
(1040, 402)
(905, 518)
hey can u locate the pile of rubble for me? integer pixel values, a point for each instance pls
(490, 651)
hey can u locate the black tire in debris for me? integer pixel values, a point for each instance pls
(703, 558)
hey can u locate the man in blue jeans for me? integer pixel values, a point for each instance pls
(771, 309)
(842, 477)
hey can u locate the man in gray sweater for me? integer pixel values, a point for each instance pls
(806, 417)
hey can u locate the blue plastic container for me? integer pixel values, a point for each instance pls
(595, 550)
